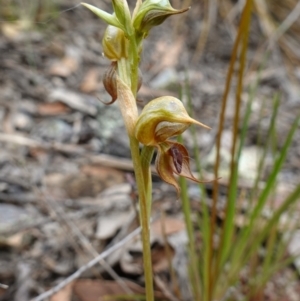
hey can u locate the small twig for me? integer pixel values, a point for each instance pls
(87, 266)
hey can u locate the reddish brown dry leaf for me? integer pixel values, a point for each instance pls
(54, 108)
(64, 294)
(38, 153)
(90, 82)
(169, 224)
(98, 290)
(160, 258)
(64, 67)
(2, 291)
(108, 176)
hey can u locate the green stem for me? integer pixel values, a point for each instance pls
(128, 72)
(144, 217)
(134, 64)
(146, 158)
(186, 207)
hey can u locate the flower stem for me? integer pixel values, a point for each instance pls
(128, 72)
(144, 217)
(146, 157)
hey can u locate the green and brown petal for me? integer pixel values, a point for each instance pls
(173, 159)
(161, 119)
(152, 13)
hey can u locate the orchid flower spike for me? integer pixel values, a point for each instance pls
(160, 120)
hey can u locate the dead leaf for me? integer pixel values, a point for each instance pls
(81, 185)
(53, 183)
(14, 31)
(64, 67)
(90, 82)
(160, 259)
(171, 226)
(131, 259)
(54, 108)
(99, 290)
(64, 294)
(62, 267)
(108, 176)
(15, 241)
(76, 101)
(3, 291)
(109, 224)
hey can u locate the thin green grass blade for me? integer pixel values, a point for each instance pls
(288, 233)
(228, 227)
(273, 176)
(214, 268)
(242, 246)
(246, 119)
(203, 221)
(290, 200)
(262, 160)
(261, 236)
(186, 207)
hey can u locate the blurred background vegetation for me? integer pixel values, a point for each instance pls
(253, 201)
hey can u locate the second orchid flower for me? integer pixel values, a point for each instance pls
(161, 119)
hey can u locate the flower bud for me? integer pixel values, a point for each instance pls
(161, 119)
(110, 82)
(115, 44)
(152, 13)
(122, 12)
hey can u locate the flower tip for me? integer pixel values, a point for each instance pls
(201, 124)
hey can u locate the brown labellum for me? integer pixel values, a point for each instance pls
(177, 158)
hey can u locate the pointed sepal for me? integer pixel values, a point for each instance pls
(161, 119)
(122, 12)
(108, 18)
(152, 13)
